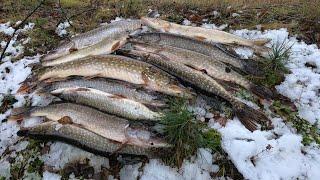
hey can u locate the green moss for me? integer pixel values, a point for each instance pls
(186, 133)
(27, 161)
(309, 132)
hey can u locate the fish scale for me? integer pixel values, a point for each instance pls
(122, 27)
(117, 67)
(202, 47)
(110, 86)
(214, 68)
(108, 126)
(107, 102)
(86, 139)
(248, 116)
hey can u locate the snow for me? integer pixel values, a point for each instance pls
(199, 167)
(61, 28)
(50, 176)
(129, 172)
(303, 83)
(6, 29)
(235, 15)
(186, 22)
(213, 26)
(60, 154)
(279, 153)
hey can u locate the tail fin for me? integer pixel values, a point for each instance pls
(27, 86)
(18, 114)
(36, 65)
(250, 117)
(261, 91)
(23, 132)
(261, 42)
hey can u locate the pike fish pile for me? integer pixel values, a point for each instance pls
(111, 83)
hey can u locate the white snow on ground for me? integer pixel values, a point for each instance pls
(51, 176)
(6, 29)
(61, 29)
(279, 154)
(198, 168)
(274, 154)
(60, 154)
(302, 85)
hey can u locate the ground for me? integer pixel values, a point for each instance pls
(286, 152)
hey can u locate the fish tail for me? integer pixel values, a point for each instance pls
(28, 85)
(23, 132)
(250, 117)
(261, 42)
(261, 91)
(18, 114)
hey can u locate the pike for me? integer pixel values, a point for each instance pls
(118, 88)
(204, 34)
(110, 103)
(108, 126)
(86, 140)
(122, 27)
(106, 46)
(247, 115)
(201, 62)
(212, 50)
(113, 67)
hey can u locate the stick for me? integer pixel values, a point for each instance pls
(18, 27)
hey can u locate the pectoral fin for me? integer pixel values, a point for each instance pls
(118, 96)
(201, 38)
(116, 46)
(65, 120)
(50, 80)
(71, 50)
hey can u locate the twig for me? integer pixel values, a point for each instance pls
(18, 27)
(64, 14)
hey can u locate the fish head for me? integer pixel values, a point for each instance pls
(141, 137)
(146, 38)
(63, 49)
(156, 23)
(145, 47)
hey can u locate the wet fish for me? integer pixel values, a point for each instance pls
(246, 114)
(204, 63)
(115, 87)
(110, 103)
(204, 34)
(113, 67)
(106, 46)
(108, 126)
(248, 66)
(93, 37)
(86, 140)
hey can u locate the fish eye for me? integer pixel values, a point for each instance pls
(227, 69)
(151, 144)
